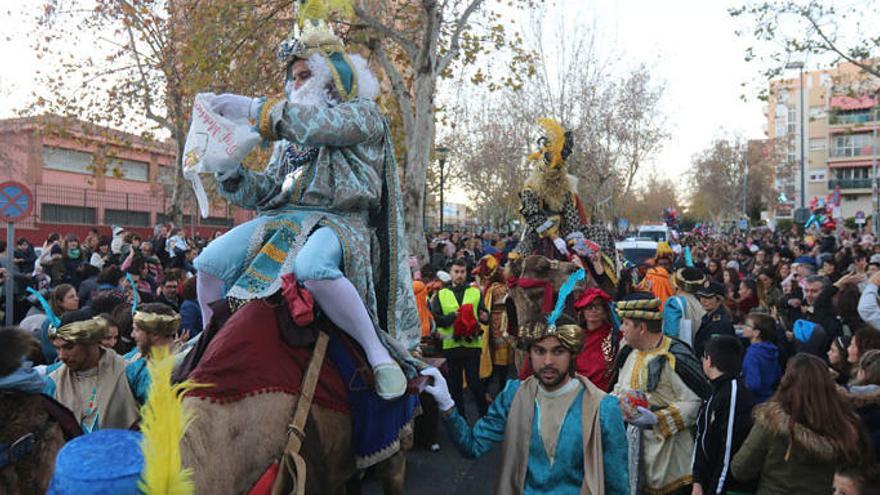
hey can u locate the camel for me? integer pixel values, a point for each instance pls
(230, 445)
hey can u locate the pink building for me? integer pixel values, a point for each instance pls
(59, 160)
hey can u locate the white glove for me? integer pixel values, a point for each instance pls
(236, 107)
(439, 390)
(645, 419)
(561, 246)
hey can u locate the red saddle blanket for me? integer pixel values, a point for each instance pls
(248, 357)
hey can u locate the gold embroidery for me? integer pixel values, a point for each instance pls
(277, 255)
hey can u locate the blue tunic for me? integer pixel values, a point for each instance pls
(138, 379)
(566, 474)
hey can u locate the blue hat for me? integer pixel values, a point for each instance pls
(106, 462)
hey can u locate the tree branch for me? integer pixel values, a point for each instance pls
(147, 100)
(455, 40)
(833, 47)
(407, 45)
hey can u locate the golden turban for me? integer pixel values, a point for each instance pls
(90, 331)
(165, 325)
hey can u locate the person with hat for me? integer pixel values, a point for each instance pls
(559, 433)
(91, 380)
(154, 325)
(601, 339)
(329, 188)
(716, 319)
(671, 379)
(683, 311)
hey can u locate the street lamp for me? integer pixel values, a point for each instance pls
(800, 67)
(440, 153)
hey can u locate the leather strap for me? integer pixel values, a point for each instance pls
(291, 477)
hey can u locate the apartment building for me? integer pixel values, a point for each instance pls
(84, 176)
(840, 123)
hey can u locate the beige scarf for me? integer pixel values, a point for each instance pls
(518, 434)
(116, 405)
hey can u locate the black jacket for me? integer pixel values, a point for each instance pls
(715, 445)
(717, 322)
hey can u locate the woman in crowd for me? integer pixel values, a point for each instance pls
(802, 434)
(62, 299)
(714, 271)
(838, 362)
(747, 300)
(864, 340)
(864, 395)
(768, 291)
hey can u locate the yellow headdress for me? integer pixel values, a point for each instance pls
(165, 325)
(571, 336)
(551, 144)
(89, 331)
(640, 309)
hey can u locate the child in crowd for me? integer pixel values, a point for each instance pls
(761, 367)
(724, 420)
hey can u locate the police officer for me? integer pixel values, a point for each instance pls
(716, 321)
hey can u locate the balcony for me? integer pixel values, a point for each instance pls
(849, 183)
(850, 118)
(850, 152)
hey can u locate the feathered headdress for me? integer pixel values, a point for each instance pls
(570, 335)
(552, 143)
(164, 420)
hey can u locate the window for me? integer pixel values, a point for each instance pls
(818, 113)
(851, 145)
(163, 218)
(817, 176)
(51, 213)
(852, 117)
(818, 144)
(128, 169)
(792, 121)
(68, 160)
(781, 111)
(125, 217)
(216, 221)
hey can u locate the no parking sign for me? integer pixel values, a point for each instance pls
(16, 203)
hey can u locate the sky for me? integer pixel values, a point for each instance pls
(690, 45)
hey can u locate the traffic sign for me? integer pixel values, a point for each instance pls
(16, 201)
(801, 215)
(860, 214)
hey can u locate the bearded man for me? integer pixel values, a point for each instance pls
(560, 434)
(329, 206)
(91, 381)
(154, 325)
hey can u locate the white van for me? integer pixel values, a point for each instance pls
(656, 233)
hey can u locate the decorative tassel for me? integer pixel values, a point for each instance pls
(164, 421)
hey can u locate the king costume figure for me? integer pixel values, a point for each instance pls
(328, 204)
(559, 433)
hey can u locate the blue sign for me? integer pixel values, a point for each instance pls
(743, 225)
(16, 201)
(622, 224)
(860, 214)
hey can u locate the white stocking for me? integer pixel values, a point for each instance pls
(341, 303)
(208, 289)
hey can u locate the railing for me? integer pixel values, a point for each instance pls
(850, 118)
(850, 183)
(850, 152)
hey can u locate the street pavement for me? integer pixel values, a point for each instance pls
(445, 472)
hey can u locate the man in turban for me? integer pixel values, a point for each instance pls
(665, 372)
(560, 434)
(91, 380)
(154, 325)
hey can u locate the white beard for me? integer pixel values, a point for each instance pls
(315, 92)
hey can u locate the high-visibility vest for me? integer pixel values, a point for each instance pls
(448, 304)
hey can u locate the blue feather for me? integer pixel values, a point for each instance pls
(134, 293)
(47, 308)
(564, 291)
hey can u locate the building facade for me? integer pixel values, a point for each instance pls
(840, 123)
(84, 176)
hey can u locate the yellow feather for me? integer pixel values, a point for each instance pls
(321, 9)
(163, 422)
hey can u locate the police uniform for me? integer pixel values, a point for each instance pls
(717, 322)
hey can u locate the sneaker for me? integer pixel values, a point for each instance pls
(435, 447)
(390, 381)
